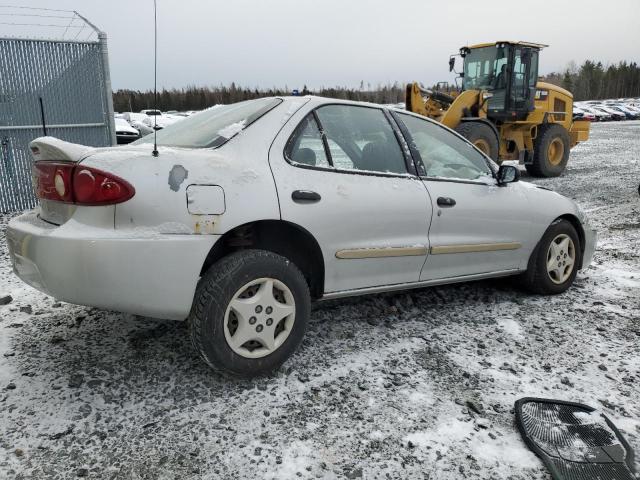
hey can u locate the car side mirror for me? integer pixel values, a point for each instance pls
(452, 63)
(508, 174)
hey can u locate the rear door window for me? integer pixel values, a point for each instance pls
(306, 146)
(347, 138)
(361, 138)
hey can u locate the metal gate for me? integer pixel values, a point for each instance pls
(58, 86)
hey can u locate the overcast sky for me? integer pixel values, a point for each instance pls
(338, 42)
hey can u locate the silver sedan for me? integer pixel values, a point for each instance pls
(244, 214)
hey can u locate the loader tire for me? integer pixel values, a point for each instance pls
(482, 136)
(550, 151)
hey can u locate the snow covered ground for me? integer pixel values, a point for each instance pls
(409, 385)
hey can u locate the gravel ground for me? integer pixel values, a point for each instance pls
(408, 385)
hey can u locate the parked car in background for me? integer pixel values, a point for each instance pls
(252, 210)
(633, 107)
(142, 127)
(125, 133)
(135, 119)
(629, 112)
(159, 122)
(599, 116)
(581, 114)
(151, 112)
(614, 114)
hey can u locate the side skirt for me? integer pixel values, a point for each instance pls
(422, 284)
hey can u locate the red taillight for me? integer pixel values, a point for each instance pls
(71, 183)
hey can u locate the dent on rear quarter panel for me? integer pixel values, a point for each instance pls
(177, 175)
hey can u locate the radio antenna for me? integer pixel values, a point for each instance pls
(155, 79)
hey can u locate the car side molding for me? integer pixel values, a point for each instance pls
(356, 253)
(475, 247)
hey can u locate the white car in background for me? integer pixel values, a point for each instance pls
(599, 115)
(614, 114)
(136, 121)
(249, 212)
(582, 114)
(125, 133)
(159, 122)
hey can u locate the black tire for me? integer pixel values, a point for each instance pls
(536, 279)
(218, 287)
(542, 165)
(481, 135)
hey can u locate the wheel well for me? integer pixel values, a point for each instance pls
(287, 239)
(573, 220)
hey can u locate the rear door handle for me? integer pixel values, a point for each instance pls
(305, 196)
(446, 202)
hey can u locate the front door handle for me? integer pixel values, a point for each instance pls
(446, 202)
(305, 196)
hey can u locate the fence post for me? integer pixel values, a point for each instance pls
(109, 121)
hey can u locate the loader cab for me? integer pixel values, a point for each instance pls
(506, 73)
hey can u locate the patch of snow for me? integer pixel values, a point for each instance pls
(585, 417)
(511, 327)
(445, 434)
(294, 106)
(248, 175)
(72, 228)
(343, 191)
(506, 452)
(231, 130)
(623, 277)
(52, 148)
(296, 456)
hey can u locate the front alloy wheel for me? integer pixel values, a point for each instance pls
(555, 261)
(561, 258)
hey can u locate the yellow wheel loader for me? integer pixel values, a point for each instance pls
(503, 109)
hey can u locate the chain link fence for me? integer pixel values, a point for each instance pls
(50, 87)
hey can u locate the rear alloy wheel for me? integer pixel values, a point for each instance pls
(250, 312)
(482, 136)
(259, 318)
(550, 151)
(554, 262)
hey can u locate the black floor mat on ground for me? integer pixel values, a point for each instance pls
(574, 441)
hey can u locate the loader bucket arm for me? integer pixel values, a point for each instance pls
(463, 106)
(426, 102)
(414, 102)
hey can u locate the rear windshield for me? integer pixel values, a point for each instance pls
(213, 127)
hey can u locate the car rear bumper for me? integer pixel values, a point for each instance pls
(143, 273)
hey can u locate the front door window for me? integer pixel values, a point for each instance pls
(443, 154)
